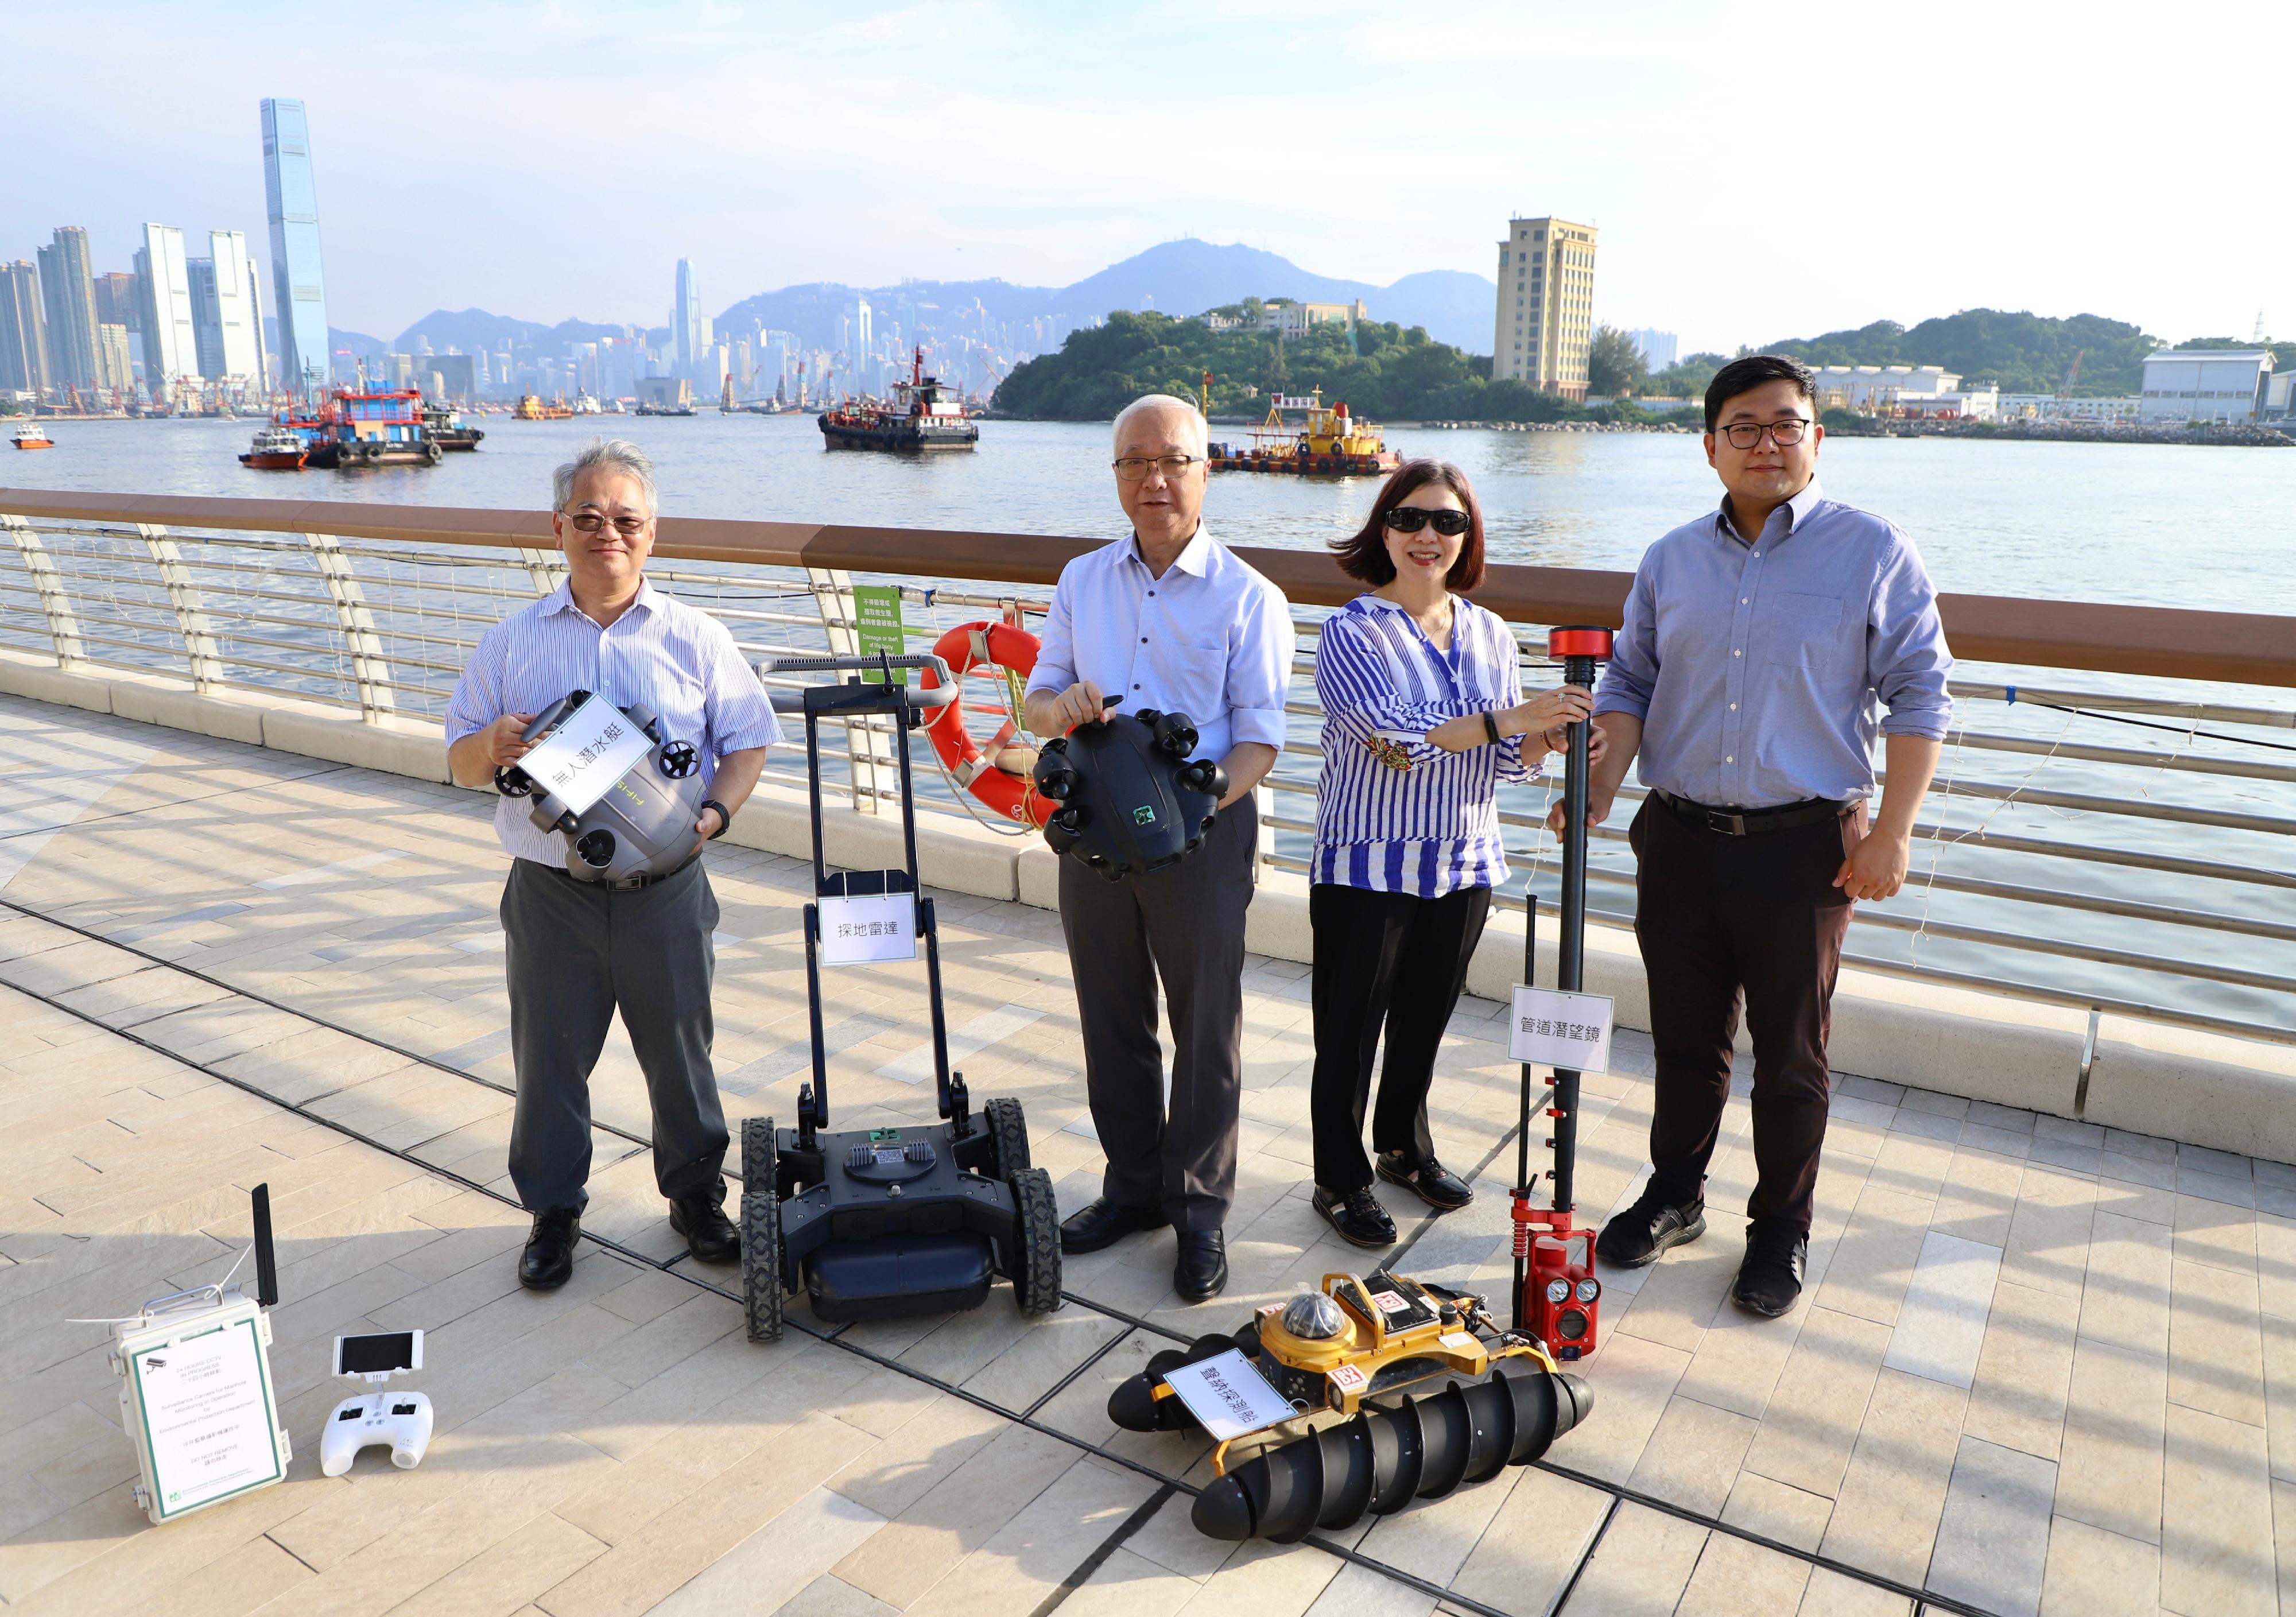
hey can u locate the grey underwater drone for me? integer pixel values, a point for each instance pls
(1130, 799)
(643, 825)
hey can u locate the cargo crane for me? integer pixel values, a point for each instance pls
(2072, 376)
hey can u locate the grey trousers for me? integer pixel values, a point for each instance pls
(574, 953)
(1185, 926)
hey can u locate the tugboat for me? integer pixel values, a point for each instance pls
(447, 430)
(1332, 443)
(381, 429)
(531, 408)
(32, 435)
(924, 414)
(276, 449)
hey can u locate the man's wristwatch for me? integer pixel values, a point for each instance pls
(725, 817)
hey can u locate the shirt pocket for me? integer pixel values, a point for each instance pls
(681, 704)
(1193, 674)
(1812, 611)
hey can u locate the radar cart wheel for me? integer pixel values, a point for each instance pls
(1008, 1137)
(761, 1264)
(760, 1158)
(1035, 1258)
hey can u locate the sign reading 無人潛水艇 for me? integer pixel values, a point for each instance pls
(593, 747)
(1553, 1028)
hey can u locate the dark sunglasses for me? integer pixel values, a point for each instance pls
(1411, 518)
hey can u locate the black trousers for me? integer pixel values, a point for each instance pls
(1758, 915)
(1185, 926)
(1392, 962)
(574, 953)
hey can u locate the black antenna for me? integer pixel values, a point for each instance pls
(266, 1260)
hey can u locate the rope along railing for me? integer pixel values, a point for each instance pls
(2060, 855)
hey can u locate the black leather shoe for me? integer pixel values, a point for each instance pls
(701, 1217)
(1357, 1215)
(1654, 1222)
(1202, 1272)
(1103, 1223)
(1429, 1181)
(549, 1255)
(1778, 1258)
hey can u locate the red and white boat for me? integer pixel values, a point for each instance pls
(278, 449)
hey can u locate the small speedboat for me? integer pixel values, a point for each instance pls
(276, 449)
(32, 435)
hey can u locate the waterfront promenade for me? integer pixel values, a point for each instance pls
(2042, 1366)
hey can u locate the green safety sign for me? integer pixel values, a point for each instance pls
(877, 625)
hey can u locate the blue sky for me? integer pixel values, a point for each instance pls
(1757, 169)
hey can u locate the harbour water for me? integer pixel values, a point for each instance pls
(2165, 525)
(2156, 525)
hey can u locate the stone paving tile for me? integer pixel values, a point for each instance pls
(1993, 1541)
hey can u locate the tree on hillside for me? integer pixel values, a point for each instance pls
(1615, 366)
(1686, 378)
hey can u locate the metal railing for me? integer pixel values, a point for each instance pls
(2122, 843)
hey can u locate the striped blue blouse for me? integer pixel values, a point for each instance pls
(1394, 813)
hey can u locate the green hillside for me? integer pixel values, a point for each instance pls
(1389, 373)
(2023, 352)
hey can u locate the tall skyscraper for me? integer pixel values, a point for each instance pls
(685, 334)
(23, 332)
(1658, 348)
(1545, 324)
(67, 301)
(299, 289)
(230, 347)
(116, 301)
(170, 336)
(255, 323)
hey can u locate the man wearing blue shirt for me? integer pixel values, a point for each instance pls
(1756, 641)
(577, 950)
(1166, 618)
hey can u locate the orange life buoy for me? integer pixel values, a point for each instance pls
(964, 648)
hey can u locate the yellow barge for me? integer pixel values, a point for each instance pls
(1331, 443)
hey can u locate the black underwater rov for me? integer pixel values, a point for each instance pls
(886, 1223)
(1130, 799)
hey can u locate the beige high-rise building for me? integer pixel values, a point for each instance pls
(1546, 326)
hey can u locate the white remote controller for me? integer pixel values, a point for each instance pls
(401, 1419)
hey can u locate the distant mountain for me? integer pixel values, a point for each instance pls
(1182, 277)
(473, 330)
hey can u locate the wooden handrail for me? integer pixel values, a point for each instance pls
(2243, 648)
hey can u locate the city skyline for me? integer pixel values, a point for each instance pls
(558, 187)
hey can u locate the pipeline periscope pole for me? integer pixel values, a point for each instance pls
(1557, 1291)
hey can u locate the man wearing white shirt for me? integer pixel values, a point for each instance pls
(576, 951)
(1167, 618)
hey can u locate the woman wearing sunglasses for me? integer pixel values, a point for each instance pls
(1423, 716)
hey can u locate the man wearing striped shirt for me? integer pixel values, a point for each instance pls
(577, 950)
(1758, 642)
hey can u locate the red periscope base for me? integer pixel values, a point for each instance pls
(1561, 1297)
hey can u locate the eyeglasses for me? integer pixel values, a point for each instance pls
(1411, 518)
(1747, 434)
(628, 527)
(1132, 468)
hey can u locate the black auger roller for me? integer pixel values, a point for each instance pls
(1387, 1457)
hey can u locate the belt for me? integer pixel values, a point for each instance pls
(644, 879)
(1753, 822)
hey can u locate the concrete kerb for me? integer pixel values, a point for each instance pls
(2205, 1089)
